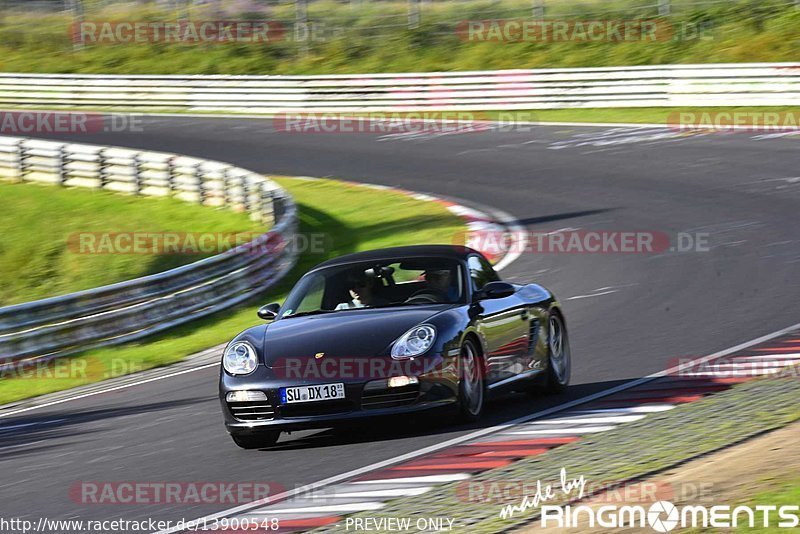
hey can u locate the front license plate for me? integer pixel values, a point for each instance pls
(312, 393)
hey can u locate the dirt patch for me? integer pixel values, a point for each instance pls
(731, 476)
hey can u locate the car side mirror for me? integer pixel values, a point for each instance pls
(268, 312)
(495, 290)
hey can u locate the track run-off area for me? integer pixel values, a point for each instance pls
(629, 314)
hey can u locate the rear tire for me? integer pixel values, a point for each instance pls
(256, 441)
(559, 364)
(471, 386)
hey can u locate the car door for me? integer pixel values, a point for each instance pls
(504, 325)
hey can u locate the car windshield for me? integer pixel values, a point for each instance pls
(406, 282)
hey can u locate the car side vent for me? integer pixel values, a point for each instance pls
(533, 335)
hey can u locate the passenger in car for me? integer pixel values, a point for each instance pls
(363, 291)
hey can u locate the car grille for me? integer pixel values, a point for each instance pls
(390, 397)
(310, 409)
(252, 410)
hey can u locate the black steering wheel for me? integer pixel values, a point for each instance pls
(427, 296)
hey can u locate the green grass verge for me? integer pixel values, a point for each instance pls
(39, 250)
(667, 116)
(345, 214)
(375, 38)
(638, 449)
(786, 492)
(664, 116)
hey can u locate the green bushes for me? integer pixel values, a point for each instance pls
(374, 37)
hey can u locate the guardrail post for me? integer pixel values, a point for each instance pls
(226, 186)
(102, 168)
(171, 175)
(538, 9)
(201, 186)
(61, 165)
(137, 174)
(24, 164)
(267, 205)
(20, 146)
(664, 8)
(246, 194)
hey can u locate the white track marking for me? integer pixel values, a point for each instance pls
(568, 419)
(108, 390)
(784, 356)
(355, 507)
(377, 493)
(571, 431)
(433, 479)
(576, 297)
(644, 408)
(37, 423)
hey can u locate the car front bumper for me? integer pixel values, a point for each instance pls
(437, 387)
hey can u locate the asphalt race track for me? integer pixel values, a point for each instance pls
(629, 314)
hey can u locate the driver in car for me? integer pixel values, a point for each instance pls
(439, 284)
(363, 290)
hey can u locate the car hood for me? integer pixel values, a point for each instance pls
(355, 333)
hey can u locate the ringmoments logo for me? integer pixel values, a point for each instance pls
(664, 516)
(660, 516)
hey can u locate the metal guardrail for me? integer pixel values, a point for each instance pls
(753, 84)
(58, 326)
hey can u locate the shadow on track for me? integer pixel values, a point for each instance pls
(500, 410)
(27, 430)
(561, 216)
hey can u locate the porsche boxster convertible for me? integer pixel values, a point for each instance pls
(389, 332)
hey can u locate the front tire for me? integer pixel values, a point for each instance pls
(256, 441)
(471, 390)
(558, 355)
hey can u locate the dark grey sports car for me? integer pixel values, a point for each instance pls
(386, 332)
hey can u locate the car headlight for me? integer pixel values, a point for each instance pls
(414, 342)
(240, 358)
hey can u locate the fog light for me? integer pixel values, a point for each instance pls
(400, 381)
(245, 396)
